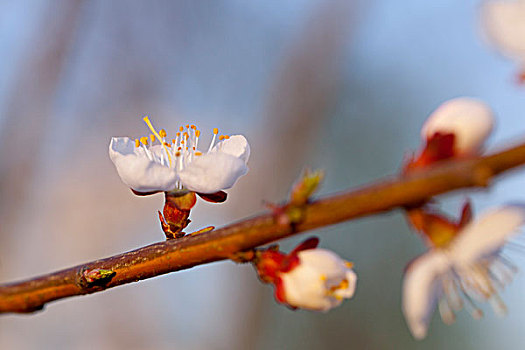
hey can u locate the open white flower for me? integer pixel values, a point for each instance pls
(469, 120)
(320, 282)
(467, 270)
(179, 165)
(503, 23)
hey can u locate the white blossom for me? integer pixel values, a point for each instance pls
(146, 166)
(320, 282)
(469, 269)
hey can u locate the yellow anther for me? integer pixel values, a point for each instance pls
(323, 277)
(349, 264)
(186, 135)
(221, 137)
(177, 154)
(166, 144)
(197, 133)
(152, 138)
(198, 153)
(181, 129)
(187, 126)
(144, 140)
(215, 131)
(344, 284)
(173, 141)
(181, 142)
(146, 120)
(137, 143)
(193, 127)
(163, 133)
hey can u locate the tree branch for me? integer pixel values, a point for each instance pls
(178, 254)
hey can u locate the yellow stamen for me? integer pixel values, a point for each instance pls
(162, 133)
(144, 140)
(323, 277)
(146, 120)
(215, 131)
(198, 153)
(152, 138)
(187, 126)
(226, 137)
(221, 137)
(343, 285)
(177, 154)
(173, 141)
(349, 264)
(186, 135)
(197, 133)
(181, 129)
(193, 127)
(137, 143)
(166, 144)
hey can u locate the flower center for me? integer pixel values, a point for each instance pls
(180, 151)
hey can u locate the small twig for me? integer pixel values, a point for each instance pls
(224, 243)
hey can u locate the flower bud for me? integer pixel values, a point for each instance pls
(307, 278)
(319, 282)
(469, 120)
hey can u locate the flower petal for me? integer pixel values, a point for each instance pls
(487, 234)
(212, 172)
(304, 287)
(236, 145)
(421, 290)
(469, 119)
(136, 170)
(348, 292)
(315, 283)
(503, 23)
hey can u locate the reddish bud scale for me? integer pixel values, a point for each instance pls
(279, 292)
(437, 228)
(520, 79)
(437, 148)
(176, 213)
(217, 197)
(270, 263)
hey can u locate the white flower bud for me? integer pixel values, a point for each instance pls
(320, 282)
(470, 120)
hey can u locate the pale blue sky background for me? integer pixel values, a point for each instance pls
(217, 64)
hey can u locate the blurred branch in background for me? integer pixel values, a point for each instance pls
(178, 254)
(29, 107)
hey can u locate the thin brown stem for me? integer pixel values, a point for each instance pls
(178, 254)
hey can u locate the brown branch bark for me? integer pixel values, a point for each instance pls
(178, 254)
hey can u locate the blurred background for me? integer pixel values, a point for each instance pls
(333, 84)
